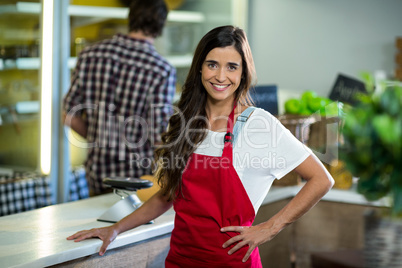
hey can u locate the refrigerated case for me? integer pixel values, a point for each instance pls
(19, 87)
(29, 90)
(26, 106)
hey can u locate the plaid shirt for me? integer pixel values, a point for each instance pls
(123, 89)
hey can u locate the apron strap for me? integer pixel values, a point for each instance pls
(231, 136)
(228, 142)
(241, 121)
(229, 128)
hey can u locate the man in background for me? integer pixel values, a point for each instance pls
(120, 98)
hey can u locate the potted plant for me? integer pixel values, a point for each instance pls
(372, 151)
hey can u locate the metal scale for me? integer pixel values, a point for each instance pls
(125, 188)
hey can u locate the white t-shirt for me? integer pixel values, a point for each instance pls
(264, 150)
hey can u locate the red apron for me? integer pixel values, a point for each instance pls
(213, 197)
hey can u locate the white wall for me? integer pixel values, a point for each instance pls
(304, 44)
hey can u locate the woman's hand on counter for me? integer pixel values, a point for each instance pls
(106, 234)
(150, 210)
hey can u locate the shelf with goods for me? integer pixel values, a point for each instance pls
(98, 12)
(20, 64)
(122, 13)
(178, 61)
(34, 63)
(21, 8)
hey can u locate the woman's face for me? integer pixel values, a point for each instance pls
(221, 73)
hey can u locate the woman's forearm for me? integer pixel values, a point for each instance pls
(151, 209)
(319, 182)
(304, 200)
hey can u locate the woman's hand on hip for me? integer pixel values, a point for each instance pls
(253, 236)
(106, 234)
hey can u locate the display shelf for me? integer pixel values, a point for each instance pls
(122, 13)
(185, 16)
(86, 15)
(177, 61)
(20, 64)
(21, 8)
(180, 60)
(99, 12)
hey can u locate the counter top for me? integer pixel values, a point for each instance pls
(37, 238)
(334, 195)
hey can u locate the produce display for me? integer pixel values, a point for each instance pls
(318, 133)
(310, 103)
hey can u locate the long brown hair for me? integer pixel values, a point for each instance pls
(180, 140)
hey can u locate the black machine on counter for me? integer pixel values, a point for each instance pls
(125, 188)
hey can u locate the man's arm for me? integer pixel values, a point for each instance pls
(76, 123)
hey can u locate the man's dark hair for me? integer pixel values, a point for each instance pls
(147, 16)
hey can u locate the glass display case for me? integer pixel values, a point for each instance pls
(26, 86)
(19, 85)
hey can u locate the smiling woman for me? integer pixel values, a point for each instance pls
(199, 170)
(221, 74)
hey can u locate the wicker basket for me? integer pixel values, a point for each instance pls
(299, 125)
(300, 128)
(312, 131)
